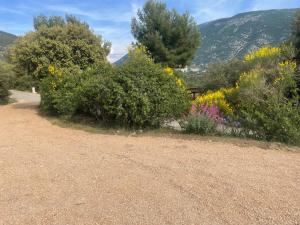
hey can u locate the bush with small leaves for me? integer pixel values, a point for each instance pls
(200, 124)
(137, 94)
(4, 93)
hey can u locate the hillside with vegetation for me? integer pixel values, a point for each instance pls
(234, 37)
(6, 39)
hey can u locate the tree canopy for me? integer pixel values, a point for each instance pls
(171, 39)
(60, 42)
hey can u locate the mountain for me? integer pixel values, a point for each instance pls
(5, 40)
(122, 60)
(233, 37)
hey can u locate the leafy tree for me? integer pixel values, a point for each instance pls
(171, 39)
(60, 42)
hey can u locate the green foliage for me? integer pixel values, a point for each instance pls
(137, 94)
(268, 104)
(218, 75)
(58, 91)
(23, 83)
(263, 97)
(55, 41)
(6, 70)
(4, 86)
(200, 124)
(170, 38)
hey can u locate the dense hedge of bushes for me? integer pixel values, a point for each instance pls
(137, 94)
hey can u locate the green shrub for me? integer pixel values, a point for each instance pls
(218, 75)
(268, 104)
(4, 93)
(58, 91)
(200, 124)
(270, 118)
(137, 94)
(7, 70)
(25, 83)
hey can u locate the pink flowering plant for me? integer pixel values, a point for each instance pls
(203, 119)
(210, 111)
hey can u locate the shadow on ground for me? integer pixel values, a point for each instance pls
(26, 105)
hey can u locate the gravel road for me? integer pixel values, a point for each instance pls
(53, 175)
(21, 96)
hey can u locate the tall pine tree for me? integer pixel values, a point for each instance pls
(171, 39)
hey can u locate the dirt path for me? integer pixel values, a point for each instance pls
(54, 175)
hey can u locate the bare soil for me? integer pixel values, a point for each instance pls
(55, 175)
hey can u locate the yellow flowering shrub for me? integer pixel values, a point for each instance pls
(286, 70)
(169, 71)
(179, 82)
(262, 53)
(51, 69)
(287, 65)
(247, 79)
(216, 98)
(54, 71)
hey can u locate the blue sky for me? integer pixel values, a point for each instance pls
(111, 18)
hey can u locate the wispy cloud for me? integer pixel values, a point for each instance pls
(100, 14)
(12, 11)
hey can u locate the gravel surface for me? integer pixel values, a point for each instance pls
(54, 175)
(21, 96)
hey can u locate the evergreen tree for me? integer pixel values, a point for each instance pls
(170, 38)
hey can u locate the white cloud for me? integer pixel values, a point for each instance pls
(118, 51)
(96, 14)
(120, 38)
